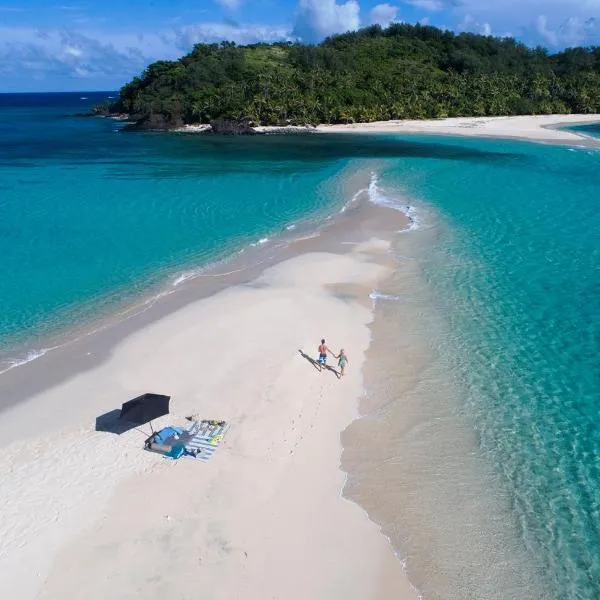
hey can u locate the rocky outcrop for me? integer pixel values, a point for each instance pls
(102, 110)
(232, 127)
(156, 122)
(161, 122)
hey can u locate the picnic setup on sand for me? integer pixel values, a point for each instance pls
(198, 440)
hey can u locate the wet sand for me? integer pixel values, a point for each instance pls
(414, 459)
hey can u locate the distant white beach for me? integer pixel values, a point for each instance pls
(538, 128)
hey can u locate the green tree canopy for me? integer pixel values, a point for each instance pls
(404, 71)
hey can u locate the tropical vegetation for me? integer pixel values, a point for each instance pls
(404, 71)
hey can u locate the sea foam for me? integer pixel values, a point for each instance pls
(377, 197)
(260, 242)
(375, 295)
(30, 356)
(354, 199)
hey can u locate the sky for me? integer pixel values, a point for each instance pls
(48, 45)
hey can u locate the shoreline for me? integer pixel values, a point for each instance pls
(58, 396)
(413, 457)
(350, 261)
(362, 269)
(90, 341)
(533, 128)
(177, 287)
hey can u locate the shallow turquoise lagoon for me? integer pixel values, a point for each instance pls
(90, 216)
(515, 269)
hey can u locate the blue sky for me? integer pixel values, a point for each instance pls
(48, 45)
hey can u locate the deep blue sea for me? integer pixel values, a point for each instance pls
(91, 217)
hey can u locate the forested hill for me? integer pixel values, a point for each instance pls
(400, 72)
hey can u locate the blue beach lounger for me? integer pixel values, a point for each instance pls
(199, 440)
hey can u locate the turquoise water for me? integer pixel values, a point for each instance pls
(91, 217)
(592, 129)
(515, 270)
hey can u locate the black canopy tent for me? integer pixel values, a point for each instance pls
(145, 408)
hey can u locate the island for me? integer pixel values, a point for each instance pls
(373, 74)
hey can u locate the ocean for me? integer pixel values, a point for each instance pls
(484, 376)
(92, 218)
(480, 421)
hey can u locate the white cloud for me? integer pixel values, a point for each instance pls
(575, 31)
(186, 37)
(428, 5)
(56, 56)
(571, 32)
(549, 37)
(383, 14)
(469, 23)
(555, 23)
(316, 19)
(230, 4)
(73, 51)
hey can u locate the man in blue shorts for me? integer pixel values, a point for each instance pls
(323, 350)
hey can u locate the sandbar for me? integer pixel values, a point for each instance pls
(90, 514)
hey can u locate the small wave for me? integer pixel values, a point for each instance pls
(205, 270)
(378, 198)
(290, 227)
(413, 219)
(260, 242)
(375, 295)
(354, 199)
(308, 236)
(29, 357)
(182, 277)
(83, 98)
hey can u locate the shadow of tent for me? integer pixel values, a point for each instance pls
(110, 423)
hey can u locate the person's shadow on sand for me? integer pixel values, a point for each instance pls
(317, 365)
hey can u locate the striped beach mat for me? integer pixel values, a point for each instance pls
(206, 437)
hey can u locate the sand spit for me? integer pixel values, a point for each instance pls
(90, 514)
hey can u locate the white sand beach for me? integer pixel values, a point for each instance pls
(90, 514)
(540, 128)
(535, 128)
